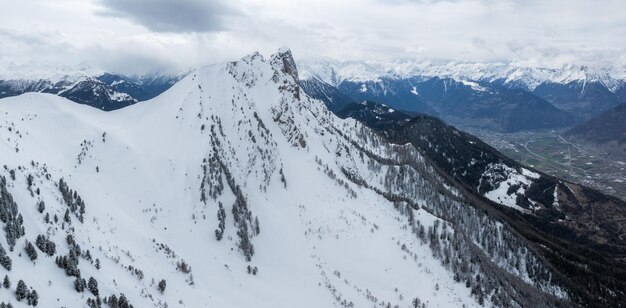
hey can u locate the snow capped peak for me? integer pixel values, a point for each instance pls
(334, 72)
(515, 74)
(474, 85)
(585, 74)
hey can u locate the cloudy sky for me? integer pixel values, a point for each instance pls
(145, 35)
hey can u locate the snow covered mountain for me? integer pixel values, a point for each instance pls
(464, 103)
(513, 75)
(234, 188)
(104, 91)
(580, 91)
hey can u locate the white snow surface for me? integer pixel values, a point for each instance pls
(474, 85)
(318, 245)
(512, 178)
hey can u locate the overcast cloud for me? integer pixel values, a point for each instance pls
(145, 35)
(171, 15)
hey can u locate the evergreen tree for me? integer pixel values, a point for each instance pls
(66, 217)
(183, 267)
(45, 245)
(29, 181)
(5, 260)
(41, 206)
(87, 255)
(221, 217)
(123, 302)
(93, 286)
(244, 242)
(91, 303)
(21, 291)
(6, 283)
(30, 251)
(79, 285)
(113, 303)
(162, 285)
(32, 298)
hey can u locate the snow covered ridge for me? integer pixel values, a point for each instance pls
(100, 90)
(235, 189)
(334, 72)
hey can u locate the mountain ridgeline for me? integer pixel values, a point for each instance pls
(236, 188)
(499, 98)
(103, 91)
(608, 128)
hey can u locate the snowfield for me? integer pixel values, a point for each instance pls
(299, 231)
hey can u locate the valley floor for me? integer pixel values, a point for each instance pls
(590, 165)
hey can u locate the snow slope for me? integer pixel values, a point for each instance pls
(307, 192)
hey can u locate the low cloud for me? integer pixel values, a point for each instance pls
(480, 43)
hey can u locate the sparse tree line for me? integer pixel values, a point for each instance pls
(73, 200)
(246, 225)
(85, 145)
(221, 218)
(9, 215)
(333, 176)
(212, 178)
(117, 302)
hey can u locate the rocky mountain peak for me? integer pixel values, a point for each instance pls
(284, 60)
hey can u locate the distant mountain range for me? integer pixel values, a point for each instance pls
(104, 91)
(511, 75)
(493, 96)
